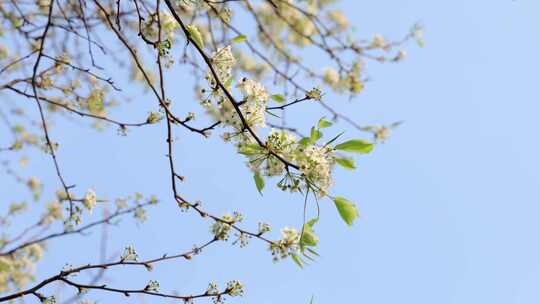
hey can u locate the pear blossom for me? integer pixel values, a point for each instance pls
(90, 199)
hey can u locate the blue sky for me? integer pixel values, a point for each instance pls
(448, 205)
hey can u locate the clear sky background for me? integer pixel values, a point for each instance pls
(449, 205)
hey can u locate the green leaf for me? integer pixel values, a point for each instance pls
(309, 238)
(312, 222)
(296, 258)
(345, 162)
(195, 35)
(323, 123)
(305, 141)
(278, 98)
(356, 145)
(315, 135)
(347, 209)
(250, 149)
(238, 39)
(312, 300)
(259, 181)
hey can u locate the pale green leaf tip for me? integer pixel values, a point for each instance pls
(239, 38)
(297, 260)
(278, 98)
(259, 182)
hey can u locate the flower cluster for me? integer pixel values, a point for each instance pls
(315, 162)
(242, 239)
(49, 300)
(90, 199)
(282, 143)
(17, 270)
(74, 219)
(287, 245)
(349, 82)
(53, 213)
(235, 288)
(254, 102)
(94, 102)
(168, 26)
(140, 214)
(35, 186)
(294, 26)
(316, 165)
(223, 62)
(218, 105)
(264, 228)
(154, 117)
(221, 229)
(152, 286)
(338, 18)
(212, 289)
(129, 254)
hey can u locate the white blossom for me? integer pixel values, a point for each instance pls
(129, 254)
(49, 300)
(282, 143)
(223, 62)
(287, 245)
(152, 286)
(235, 288)
(90, 199)
(212, 288)
(331, 77)
(378, 41)
(316, 164)
(221, 229)
(255, 100)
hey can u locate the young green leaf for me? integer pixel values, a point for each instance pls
(309, 238)
(296, 258)
(346, 162)
(347, 209)
(195, 35)
(312, 222)
(238, 39)
(315, 134)
(356, 145)
(250, 149)
(259, 181)
(323, 123)
(278, 98)
(305, 141)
